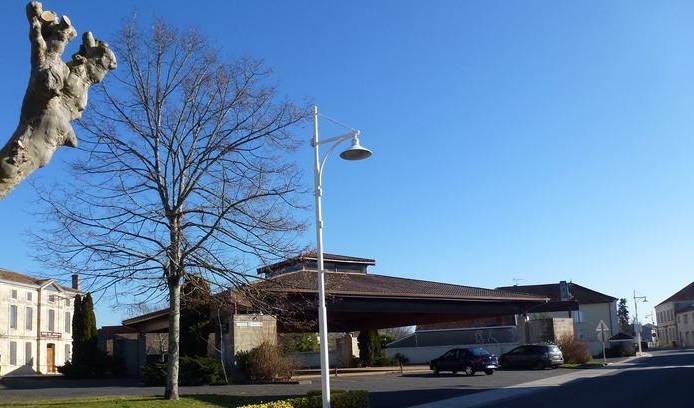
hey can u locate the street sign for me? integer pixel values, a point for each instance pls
(603, 331)
(603, 335)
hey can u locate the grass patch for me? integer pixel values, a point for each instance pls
(188, 401)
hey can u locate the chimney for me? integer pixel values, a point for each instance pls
(76, 282)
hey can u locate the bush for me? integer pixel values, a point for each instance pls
(338, 399)
(192, 371)
(272, 404)
(574, 351)
(265, 363)
(100, 365)
(383, 361)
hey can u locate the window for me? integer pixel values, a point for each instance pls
(29, 296)
(14, 294)
(13, 317)
(67, 302)
(28, 358)
(685, 318)
(51, 320)
(51, 298)
(578, 316)
(29, 318)
(67, 352)
(68, 322)
(13, 353)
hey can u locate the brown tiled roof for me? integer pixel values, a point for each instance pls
(370, 285)
(686, 293)
(28, 280)
(19, 278)
(579, 293)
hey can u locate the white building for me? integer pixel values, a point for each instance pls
(585, 306)
(35, 323)
(675, 317)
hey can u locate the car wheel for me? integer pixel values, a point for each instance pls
(489, 372)
(540, 365)
(469, 370)
(436, 370)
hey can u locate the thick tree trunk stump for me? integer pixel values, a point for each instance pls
(56, 94)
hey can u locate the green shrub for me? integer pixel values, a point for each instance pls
(383, 361)
(338, 399)
(574, 351)
(264, 363)
(154, 374)
(100, 365)
(272, 404)
(192, 371)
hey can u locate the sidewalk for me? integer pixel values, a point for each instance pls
(309, 374)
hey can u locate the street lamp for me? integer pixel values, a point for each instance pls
(355, 152)
(637, 326)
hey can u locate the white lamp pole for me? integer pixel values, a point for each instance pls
(355, 152)
(637, 326)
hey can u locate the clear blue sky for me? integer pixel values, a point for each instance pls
(534, 141)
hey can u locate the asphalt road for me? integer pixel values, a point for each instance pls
(646, 377)
(663, 380)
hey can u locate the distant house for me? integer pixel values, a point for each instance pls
(35, 323)
(585, 306)
(675, 319)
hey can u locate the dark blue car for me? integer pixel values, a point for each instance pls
(466, 360)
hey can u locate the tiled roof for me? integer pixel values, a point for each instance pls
(358, 284)
(579, 293)
(686, 293)
(29, 280)
(19, 278)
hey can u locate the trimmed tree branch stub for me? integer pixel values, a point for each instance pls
(56, 94)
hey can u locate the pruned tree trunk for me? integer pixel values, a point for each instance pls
(56, 94)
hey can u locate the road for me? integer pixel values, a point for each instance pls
(661, 380)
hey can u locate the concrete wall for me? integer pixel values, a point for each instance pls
(311, 359)
(422, 355)
(243, 332)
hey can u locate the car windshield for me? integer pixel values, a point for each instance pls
(479, 351)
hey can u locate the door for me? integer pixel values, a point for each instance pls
(50, 357)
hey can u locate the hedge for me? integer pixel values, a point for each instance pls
(339, 399)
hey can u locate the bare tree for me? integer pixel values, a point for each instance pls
(56, 94)
(186, 171)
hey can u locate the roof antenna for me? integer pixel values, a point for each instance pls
(516, 280)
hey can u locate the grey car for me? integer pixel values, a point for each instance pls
(533, 355)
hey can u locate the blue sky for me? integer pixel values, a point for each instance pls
(527, 142)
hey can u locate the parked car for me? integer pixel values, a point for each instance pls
(533, 355)
(466, 360)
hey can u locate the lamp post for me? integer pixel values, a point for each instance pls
(637, 326)
(355, 152)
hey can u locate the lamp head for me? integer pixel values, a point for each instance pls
(356, 151)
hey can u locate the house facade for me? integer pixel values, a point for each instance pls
(35, 323)
(675, 319)
(586, 307)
